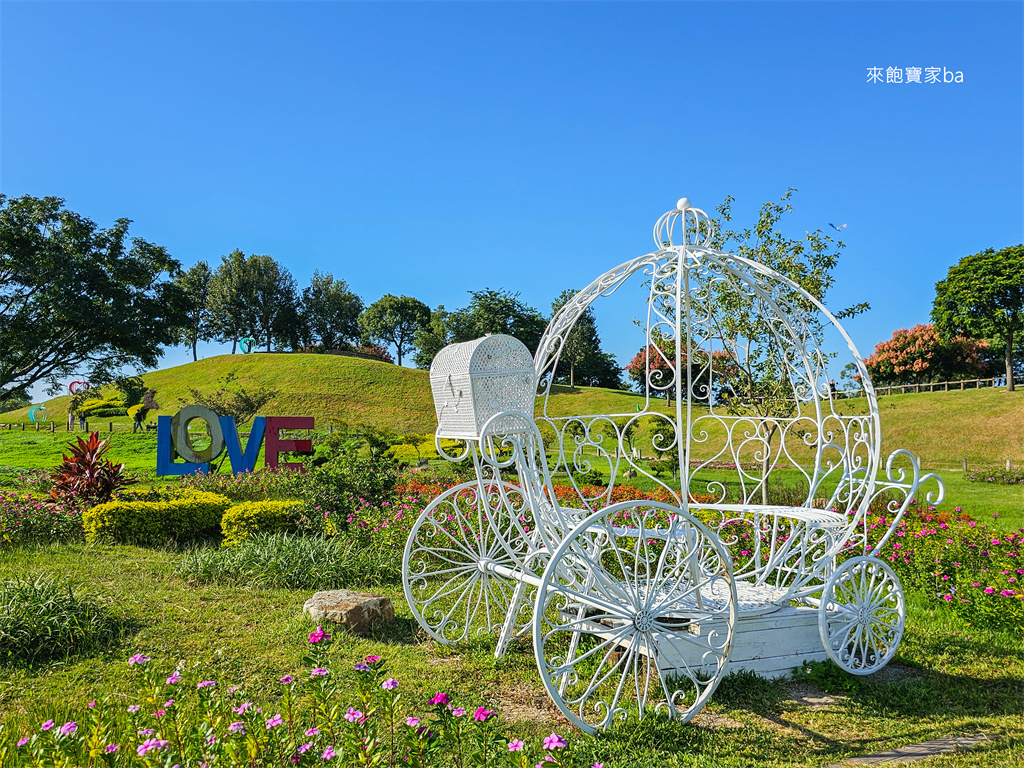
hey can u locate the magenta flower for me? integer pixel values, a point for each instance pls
(482, 714)
(360, 667)
(317, 637)
(92, 704)
(597, 765)
(318, 672)
(175, 678)
(68, 728)
(515, 745)
(458, 712)
(146, 732)
(313, 732)
(206, 684)
(275, 721)
(286, 679)
(372, 659)
(989, 590)
(23, 742)
(328, 754)
(111, 748)
(150, 744)
(47, 725)
(439, 698)
(305, 747)
(554, 741)
(237, 727)
(240, 710)
(138, 658)
(133, 708)
(353, 715)
(390, 684)
(412, 722)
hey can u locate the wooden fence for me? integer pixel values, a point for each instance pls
(930, 386)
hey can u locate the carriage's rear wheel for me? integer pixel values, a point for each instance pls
(447, 568)
(861, 615)
(635, 614)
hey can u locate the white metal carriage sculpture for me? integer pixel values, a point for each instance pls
(642, 605)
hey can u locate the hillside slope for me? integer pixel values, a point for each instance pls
(984, 426)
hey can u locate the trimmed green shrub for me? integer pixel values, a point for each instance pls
(245, 520)
(42, 619)
(93, 407)
(103, 413)
(186, 518)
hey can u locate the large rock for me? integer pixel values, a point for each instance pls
(355, 611)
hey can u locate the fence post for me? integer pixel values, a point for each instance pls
(965, 465)
(111, 427)
(53, 426)
(1007, 465)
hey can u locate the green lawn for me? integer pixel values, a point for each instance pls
(947, 679)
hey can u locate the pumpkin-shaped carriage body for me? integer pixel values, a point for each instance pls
(750, 547)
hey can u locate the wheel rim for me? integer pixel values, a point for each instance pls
(446, 570)
(620, 632)
(862, 615)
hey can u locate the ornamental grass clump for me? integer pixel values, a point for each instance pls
(321, 717)
(281, 560)
(267, 484)
(43, 619)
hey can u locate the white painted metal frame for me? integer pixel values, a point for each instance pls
(634, 607)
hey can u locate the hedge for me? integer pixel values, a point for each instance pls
(185, 518)
(251, 517)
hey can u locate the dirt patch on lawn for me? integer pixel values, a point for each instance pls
(811, 696)
(521, 702)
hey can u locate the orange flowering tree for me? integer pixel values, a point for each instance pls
(918, 355)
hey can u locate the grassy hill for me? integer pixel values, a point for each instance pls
(984, 426)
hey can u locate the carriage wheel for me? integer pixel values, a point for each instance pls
(635, 612)
(861, 615)
(446, 570)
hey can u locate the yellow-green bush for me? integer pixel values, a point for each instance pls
(90, 407)
(188, 517)
(252, 517)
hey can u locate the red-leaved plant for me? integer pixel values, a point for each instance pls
(85, 475)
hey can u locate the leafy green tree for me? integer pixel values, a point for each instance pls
(983, 295)
(233, 399)
(395, 320)
(331, 311)
(195, 283)
(75, 298)
(488, 311)
(582, 352)
(256, 297)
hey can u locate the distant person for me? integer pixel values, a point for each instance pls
(71, 420)
(81, 421)
(832, 384)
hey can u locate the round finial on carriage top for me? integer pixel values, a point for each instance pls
(683, 204)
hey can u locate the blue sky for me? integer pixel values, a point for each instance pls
(433, 149)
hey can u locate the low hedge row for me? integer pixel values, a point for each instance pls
(186, 517)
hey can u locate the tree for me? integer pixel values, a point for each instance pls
(983, 295)
(232, 399)
(256, 297)
(488, 311)
(757, 379)
(582, 351)
(195, 284)
(919, 355)
(75, 298)
(395, 320)
(331, 311)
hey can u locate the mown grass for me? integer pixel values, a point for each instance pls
(947, 679)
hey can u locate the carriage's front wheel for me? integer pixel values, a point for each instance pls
(861, 615)
(635, 613)
(447, 569)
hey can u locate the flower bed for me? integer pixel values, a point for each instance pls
(358, 717)
(30, 519)
(999, 475)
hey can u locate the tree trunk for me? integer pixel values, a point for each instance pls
(195, 357)
(233, 343)
(572, 376)
(398, 351)
(1009, 361)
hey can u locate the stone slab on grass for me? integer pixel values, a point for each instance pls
(355, 611)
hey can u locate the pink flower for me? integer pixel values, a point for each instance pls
(989, 590)
(353, 715)
(372, 659)
(133, 708)
(237, 727)
(175, 678)
(328, 754)
(360, 667)
(240, 710)
(439, 698)
(458, 712)
(319, 636)
(286, 679)
(138, 658)
(206, 684)
(318, 672)
(390, 684)
(597, 765)
(947, 597)
(313, 732)
(275, 721)
(412, 722)
(23, 742)
(92, 704)
(111, 748)
(482, 714)
(554, 741)
(149, 744)
(303, 749)
(515, 746)
(47, 725)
